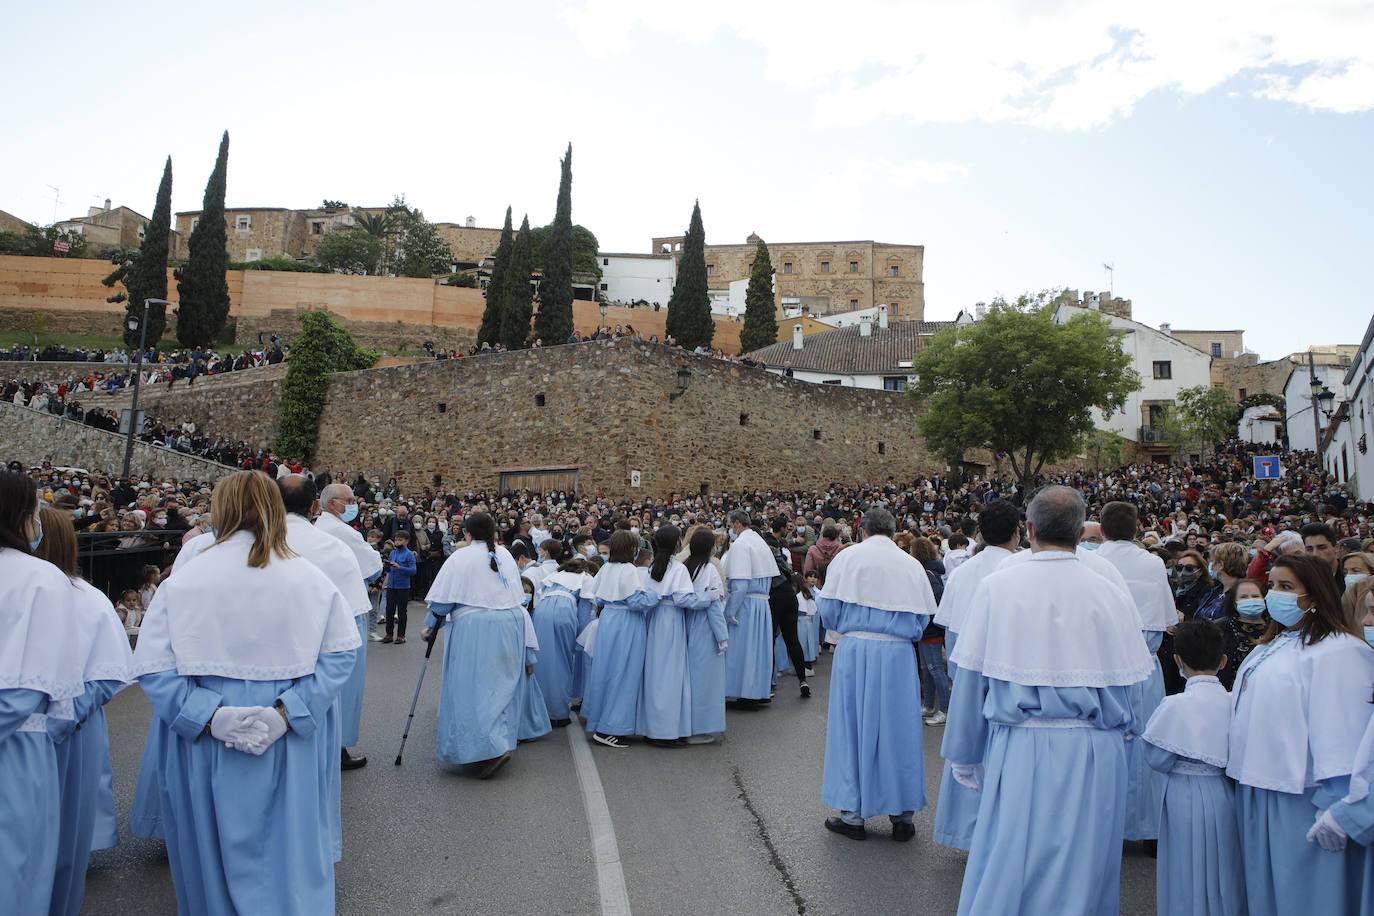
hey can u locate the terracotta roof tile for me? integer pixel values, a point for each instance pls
(845, 351)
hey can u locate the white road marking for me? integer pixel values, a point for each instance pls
(610, 879)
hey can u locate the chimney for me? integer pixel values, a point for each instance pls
(865, 327)
(1164, 328)
(980, 311)
(796, 337)
(472, 222)
(107, 205)
(882, 316)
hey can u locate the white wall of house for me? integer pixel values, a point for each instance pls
(849, 319)
(1261, 423)
(1186, 367)
(851, 380)
(1351, 452)
(1297, 394)
(630, 278)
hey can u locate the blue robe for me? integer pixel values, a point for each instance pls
(809, 634)
(556, 626)
(615, 681)
(29, 805)
(83, 757)
(351, 696)
(665, 707)
(1145, 785)
(250, 834)
(1357, 819)
(1286, 874)
(956, 810)
(1053, 800)
(481, 704)
(874, 755)
(749, 660)
(534, 715)
(706, 664)
(1199, 872)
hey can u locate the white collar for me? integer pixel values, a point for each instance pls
(878, 574)
(1194, 724)
(466, 578)
(749, 558)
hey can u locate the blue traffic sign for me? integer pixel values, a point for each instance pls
(1267, 467)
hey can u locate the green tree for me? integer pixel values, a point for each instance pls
(423, 252)
(145, 274)
(202, 291)
(377, 225)
(554, 322)
(490, 331)
(585, 248)
(1020, 384)
(38, 242)
(1103, 447)
(356, 251)
(689, 308)
(515, 294)
(322, 347)
(760, 316)
(1202, 416)
(333, 205)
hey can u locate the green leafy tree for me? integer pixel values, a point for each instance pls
(464, 278)
(585, 248)
(377, 225)
(1020, 384)
(202, 291)
(1202, 416)
(333, 205)
(424, 252)
(554, 322)
(490, 331)
(515, 293)
(760, 317)
(145, 274)
(356, 251)
(689, 308)
(38, 242)
(1102, 447)
(322, 347)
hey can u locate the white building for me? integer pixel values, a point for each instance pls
(629, 278)
(1261, 423)
(871, 354)
(1165, 365)
(1348, 455)
(1297, 396)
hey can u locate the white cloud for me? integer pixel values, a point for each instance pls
(1064, 65)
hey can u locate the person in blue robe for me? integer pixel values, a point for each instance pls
(707, 639)
(749, 570)
(665, 708)
(878, 598)
(615, 681)
(556, 626)
(534, 715)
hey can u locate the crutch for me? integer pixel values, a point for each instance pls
(418, 684)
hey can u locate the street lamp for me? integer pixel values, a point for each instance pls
(1322, 398)
(142, 327)
(604, 308)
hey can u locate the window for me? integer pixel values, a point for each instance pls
(894, 383)
(443, 407)
(787, 267)
(710, 270)
(825, 267)
(317, 227)
(832, 381)
(744, 419)
(605, 262)
(853, 267)
(603, 287)
(853, 304)
(142, 231)
(1164, 368)
(882, 448)
(253, 254)
(1242, 394)
(1216, 349)
(195, 222)
(243, 223)
(815, 434)
(538, 400)
(894, 271)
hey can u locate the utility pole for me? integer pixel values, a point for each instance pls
(138, 378)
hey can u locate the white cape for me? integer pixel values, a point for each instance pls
(107, 654)
(1146, 580)
(192, 549)
(675, 580)
(219, 616)
(331, 557)
(879, 574)
(616, 582)
(963, 583)
(749, 558)
(466, 579)
(1050, 621)
(39, 624)
(369, 561)
(1195, 723)
(1093, 562)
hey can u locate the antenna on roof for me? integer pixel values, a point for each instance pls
(1110, 268)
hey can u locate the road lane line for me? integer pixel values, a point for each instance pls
(610, 878)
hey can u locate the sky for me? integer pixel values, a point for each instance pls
(1216, 154)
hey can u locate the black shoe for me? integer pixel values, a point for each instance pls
(489, 767)
(1152, 848)
(744, 703)
(560, 723)
(662, 742)
(349, 762)
(903, 831)
(609, 740)
(805, 689)
(387, 638)
(400, 640)
(853, 831)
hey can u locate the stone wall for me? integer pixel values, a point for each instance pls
(1253, 377)
(30, 436)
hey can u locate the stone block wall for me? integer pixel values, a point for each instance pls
(30, 436)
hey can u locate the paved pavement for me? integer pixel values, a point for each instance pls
(733, 827)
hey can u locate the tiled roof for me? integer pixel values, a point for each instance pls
(845, 351)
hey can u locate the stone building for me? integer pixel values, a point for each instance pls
(109, 228)
(825, 277)
(1227, 348)
(11, 223)
(1248, 376)
(870, 354)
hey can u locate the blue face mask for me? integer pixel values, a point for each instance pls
(527, 598)
(350, 512)
(33, 545)
(1283, 607)
(733, 535)
(1369, 635)
(1089, 545)
(1250, 608)
(1352, 578)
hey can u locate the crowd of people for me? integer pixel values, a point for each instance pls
(1172, 655)
(616, 332)
(118, 367)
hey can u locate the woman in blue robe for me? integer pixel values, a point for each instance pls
(616, 679)
(665, 709)
(40, 677)
(534, 715)
(481, 705)
(707, 639)
(556, 626)
(246, 728)
(749, 569)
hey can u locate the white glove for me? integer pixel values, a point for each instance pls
(236, 726)
(1327, 834)
(273, 726)
(968, 775)
(722, 646)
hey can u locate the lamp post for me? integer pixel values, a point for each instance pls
(142, 327)
(603, 310)
(1321, 404)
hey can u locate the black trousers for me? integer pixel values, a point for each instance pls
(396, 601)
(782, 603)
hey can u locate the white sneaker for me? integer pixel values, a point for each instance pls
(374, 637)
(702, 739)
(938, 718)
(810, 672)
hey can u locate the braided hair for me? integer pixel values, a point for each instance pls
(482, 528)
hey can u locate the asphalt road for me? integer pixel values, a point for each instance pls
(733, 827)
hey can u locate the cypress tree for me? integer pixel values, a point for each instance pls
(490, 331)
(760, 317)
(554, 323)
(515, 313)
(689, 308)
(203, 293)
(146, 278)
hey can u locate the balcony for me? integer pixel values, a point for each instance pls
(1151, 435)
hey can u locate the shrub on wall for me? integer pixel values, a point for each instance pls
(322, 348)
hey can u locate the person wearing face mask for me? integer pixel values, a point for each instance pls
(534, 713)
(749, 569)
(1301, 703)
(1243, 628)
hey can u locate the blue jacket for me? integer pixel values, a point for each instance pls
(400, 575)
